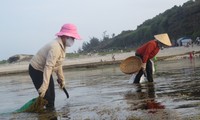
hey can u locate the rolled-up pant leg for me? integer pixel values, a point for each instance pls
(138, 76)
(50, 94)
(140, 73)
(149, 71)
(37, 79)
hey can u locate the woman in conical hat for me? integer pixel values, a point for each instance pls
(148, 51)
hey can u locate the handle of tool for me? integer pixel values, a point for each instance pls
(64, 89)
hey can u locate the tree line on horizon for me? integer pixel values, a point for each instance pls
(179, 21)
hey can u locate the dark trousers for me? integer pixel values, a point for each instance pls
(37, 78)
(149, 71)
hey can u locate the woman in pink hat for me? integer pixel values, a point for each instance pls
(49, 59)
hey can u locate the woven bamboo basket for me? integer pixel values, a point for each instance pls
(131, 65)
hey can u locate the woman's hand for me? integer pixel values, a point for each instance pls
(61, 83)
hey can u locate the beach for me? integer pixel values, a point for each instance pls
(104, 92)
(93, 60)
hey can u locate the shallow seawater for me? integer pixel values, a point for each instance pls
(105, 93)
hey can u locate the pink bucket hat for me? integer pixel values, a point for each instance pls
(69, 30)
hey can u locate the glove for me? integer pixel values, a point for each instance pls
(61, 83)
(143, 66)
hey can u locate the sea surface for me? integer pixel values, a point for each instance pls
(106, 93)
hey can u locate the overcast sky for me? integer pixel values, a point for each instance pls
(27, 25)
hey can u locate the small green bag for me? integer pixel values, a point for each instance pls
(34, 105)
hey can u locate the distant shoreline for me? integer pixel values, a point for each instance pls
(95, 61)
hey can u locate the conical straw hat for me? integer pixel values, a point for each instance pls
(131, 65)
(163, 38)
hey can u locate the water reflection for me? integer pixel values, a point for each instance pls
(143, 98)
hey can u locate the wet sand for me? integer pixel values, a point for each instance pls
(96, 60)
(105, 93)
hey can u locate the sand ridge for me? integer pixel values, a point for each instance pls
(168, 53)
